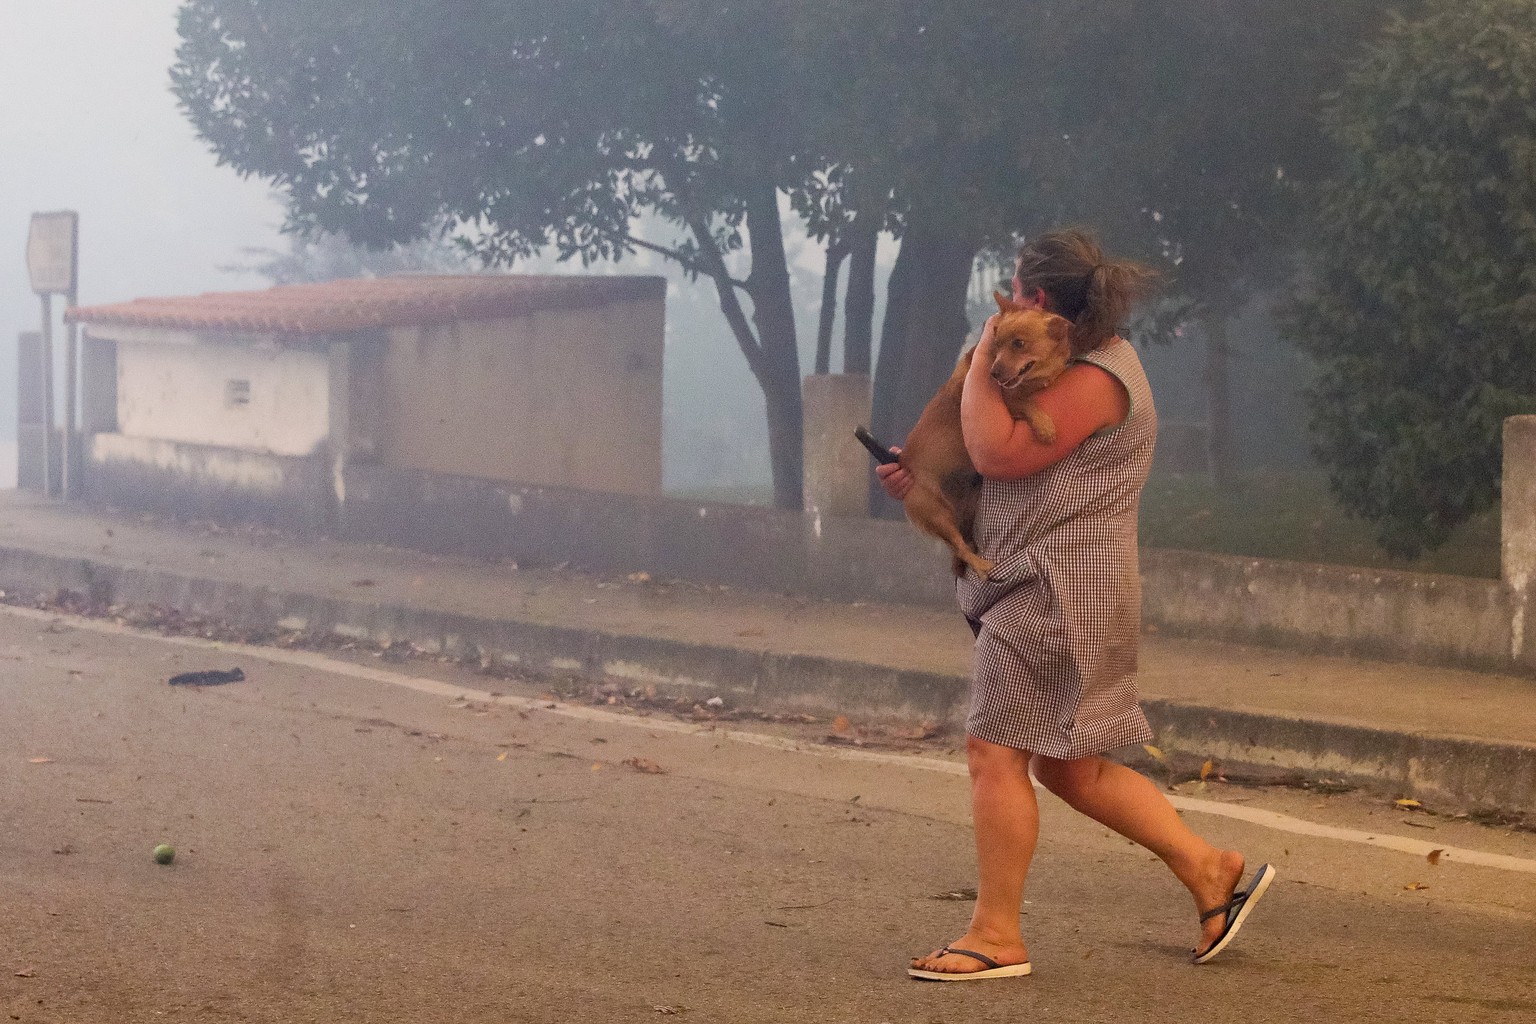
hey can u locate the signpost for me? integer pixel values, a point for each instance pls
(53, 247)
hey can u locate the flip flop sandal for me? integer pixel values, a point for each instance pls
(1237, 910)
(993, 969)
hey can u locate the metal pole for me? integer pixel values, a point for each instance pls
(47, 395)
(71, 378)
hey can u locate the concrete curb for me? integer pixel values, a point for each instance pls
(1442, 770)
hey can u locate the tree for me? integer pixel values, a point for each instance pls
(1422, 308)
(562, 123)
(533, 123)
(1188, 128)
(1137, 119)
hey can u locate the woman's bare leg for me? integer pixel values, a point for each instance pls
(1007, 823)
(1132, 805)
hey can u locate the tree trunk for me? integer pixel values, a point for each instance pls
(859, 319)
(773, 311)
(770, 351)
(836, 253)
(1218, 403)
(925, 327)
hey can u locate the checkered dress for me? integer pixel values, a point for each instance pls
(1055, 658)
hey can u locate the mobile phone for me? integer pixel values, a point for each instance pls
(881, 452)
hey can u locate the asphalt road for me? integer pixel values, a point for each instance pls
(358, 843)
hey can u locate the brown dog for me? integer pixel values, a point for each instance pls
(1032, 351)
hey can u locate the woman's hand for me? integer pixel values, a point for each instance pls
(896, 480)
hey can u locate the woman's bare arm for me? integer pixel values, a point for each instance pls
(1083, 400)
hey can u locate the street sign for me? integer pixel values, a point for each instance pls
(52, 252)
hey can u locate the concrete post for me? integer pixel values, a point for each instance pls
(50, 446)
(1518, 530)
(30, 448)
(837, 467)
(98, 386)
(339, 440)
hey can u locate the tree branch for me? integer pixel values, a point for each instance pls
(688, 262)
(730, 302)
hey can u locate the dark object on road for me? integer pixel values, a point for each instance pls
(207, 677)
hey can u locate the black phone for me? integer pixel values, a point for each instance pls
(881, 452)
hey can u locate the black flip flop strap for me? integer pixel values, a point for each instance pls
(1237, 900)
(992, 964)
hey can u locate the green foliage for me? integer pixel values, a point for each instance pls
(1291, 516)
(334, 256)
(1422, 310)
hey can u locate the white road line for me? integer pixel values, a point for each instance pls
(335, 666)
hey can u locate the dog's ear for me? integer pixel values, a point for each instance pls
(1059, 328)
(1004, 303)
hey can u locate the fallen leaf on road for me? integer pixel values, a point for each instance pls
(26, 972)
(39, 760)
(1157, 754)
(958, 895)
(501, 756)
(668, 1009)
(1433, 856)
(1408, 804)
(1206, 769)
(639, 577)
(597, 766)
(840, 723)
(1415, 886)
(640, 764)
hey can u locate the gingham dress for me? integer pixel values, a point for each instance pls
(1058, 623)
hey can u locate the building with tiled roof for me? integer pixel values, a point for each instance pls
(259, 405)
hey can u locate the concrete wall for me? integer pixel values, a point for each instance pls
(1418, 617)
(188, 481)
(1443, 620)
(567, 397)
(191, 393)
(846, 559)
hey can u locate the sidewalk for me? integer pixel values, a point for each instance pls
(1457, 738)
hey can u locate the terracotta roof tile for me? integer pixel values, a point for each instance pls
(362, 303)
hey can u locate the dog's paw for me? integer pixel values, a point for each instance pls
(980, 566)
(1043, 427)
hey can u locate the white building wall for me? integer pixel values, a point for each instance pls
(257, 399)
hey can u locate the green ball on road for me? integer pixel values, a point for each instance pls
(165, 853)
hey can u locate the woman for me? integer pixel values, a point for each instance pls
(1053, 683)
